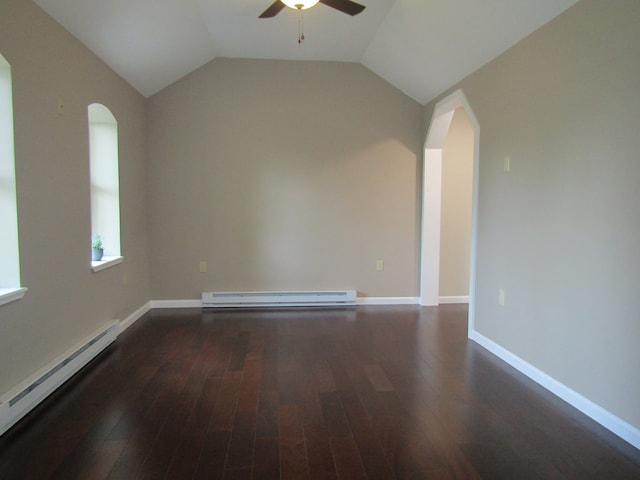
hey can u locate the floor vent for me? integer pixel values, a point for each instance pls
(278, 299)
(19, 401)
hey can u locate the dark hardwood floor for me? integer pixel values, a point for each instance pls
(372, 392)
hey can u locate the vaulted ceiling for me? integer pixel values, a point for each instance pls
(420, 46)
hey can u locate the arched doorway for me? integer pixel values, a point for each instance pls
(431, 200)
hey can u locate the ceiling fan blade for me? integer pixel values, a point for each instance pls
(273, 10)
(346, 6)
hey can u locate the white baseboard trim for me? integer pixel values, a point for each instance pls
(453, 299)
(197, 303)
(386, 300)
(616, 425)
(135, 316)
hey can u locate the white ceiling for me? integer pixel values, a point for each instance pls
(420, 46)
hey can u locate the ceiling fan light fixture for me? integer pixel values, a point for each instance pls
(299, 4)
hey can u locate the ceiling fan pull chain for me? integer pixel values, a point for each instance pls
(300, 27)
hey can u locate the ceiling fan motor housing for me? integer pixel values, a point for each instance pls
(346, 6)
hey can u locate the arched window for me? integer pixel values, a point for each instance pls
(105, 190)
(10, 289)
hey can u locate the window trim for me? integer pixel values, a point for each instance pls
(106, 262)
(8, 295)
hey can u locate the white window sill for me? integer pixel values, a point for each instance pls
(8, 295)
(105, 263)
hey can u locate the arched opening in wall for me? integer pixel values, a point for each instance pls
(432, 204)
(456, 207)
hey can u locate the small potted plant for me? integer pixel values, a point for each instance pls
(96, 248)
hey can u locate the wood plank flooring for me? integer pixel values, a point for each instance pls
(349, 394)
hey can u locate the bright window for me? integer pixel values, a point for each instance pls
(105, 190)
(9, 248)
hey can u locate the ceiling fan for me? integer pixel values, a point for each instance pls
(346, 6)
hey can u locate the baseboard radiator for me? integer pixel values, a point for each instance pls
(20, 400)
(278, 299)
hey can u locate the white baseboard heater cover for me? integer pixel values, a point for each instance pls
(279, 299)
(23, 398)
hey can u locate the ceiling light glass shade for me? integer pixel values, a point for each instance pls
(305, 3)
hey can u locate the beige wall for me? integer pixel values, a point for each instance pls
(561, 232)
(66, 301)
(455, 224)
(283, 176)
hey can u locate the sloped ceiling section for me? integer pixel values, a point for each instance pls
(425, 46)
(420, 46)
